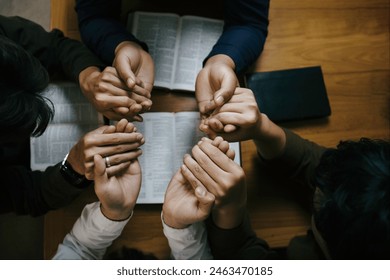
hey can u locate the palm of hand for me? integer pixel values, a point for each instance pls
(181, 202)
(122, 189)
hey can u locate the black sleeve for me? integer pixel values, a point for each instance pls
(239, 243)
(34, 192)
(299, 160)
(101, 29)
(58, 54)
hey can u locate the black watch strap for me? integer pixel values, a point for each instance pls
(72, 177)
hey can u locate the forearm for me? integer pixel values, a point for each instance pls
(35, 192)
(298, 159)
(237, 243)
(245, 32)
(29, 35)
(91, 235)
(228, 217)
(74, 57)
(221, 59)
(100, 28)
(270, 139)
(56, 53)
(189, 243)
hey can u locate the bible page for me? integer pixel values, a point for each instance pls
(159, 32)
(197, 37)
(157, 155)
(74, 116)
(188, 135)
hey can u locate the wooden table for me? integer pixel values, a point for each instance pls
(349, 39)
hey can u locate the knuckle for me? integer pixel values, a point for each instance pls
(194, 183)
(108, 69)
(101, 85)
(252, 115)
(197, 168)
(238, 176)
(100, 99)
(115, 139)
(224, 183)
(219, 193)
(87, 142)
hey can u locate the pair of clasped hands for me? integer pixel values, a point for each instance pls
(210, 182)
(209, 177)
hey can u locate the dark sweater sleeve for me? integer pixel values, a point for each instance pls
(101, 29)
(299, 160)
(58, 54)
(34, 192)
(239, 243)
(244, 32)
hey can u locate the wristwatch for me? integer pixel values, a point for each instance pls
(71, 176)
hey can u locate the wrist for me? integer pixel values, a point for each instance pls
(228, 217)
(221, 59)
(73, 177)
(85, 75)
(117, 215)
(73, 160)
(269, 138)
(127, 44)
(262, 127)
(86, 80)
(172, 222)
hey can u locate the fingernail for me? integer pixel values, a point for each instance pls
(219, 100)
(186, 156)
(130, 81)
(200, 191)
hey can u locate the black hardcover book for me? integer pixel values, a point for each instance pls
(292, 94)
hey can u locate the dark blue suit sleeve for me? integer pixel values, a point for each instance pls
(244, 32)
(101, 29)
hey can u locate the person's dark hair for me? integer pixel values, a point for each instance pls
(22, 79)
(354, 213)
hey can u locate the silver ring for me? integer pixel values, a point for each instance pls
(107, 160)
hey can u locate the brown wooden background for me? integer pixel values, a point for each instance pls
(349, 39)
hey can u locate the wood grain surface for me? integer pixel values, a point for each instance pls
(349, 39)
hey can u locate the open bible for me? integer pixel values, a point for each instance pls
(74, 116)
(169, 136)
(177, 44)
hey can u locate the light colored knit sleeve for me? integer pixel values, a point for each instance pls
(90, 236)
(189, 243)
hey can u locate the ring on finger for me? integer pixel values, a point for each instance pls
(107, 160)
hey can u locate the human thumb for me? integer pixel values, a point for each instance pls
(122, 64)
(206, 200)
(100, 174)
